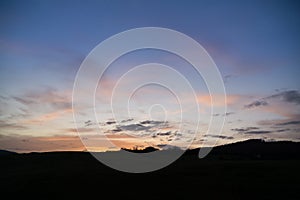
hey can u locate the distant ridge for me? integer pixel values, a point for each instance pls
(255, 149)
(252, 169)
(144, 150)
(248, 149)
(5, 153)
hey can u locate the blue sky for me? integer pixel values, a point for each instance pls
(255, 45)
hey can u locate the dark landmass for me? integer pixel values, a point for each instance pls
(6, 153)
(144, 150)
(252, 169)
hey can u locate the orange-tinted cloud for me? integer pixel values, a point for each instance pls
(126, 141)
(206, 99)
(281, 109)
(48, 117)
(25, 144)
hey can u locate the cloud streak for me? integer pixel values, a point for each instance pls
(6, 125)
(48, 96)
(257, 132)
(220, 136)
(256, 104)
(143, 126)
(288, 123)
(250, 131)
(289, 96)
(244, 129)
(25, 144)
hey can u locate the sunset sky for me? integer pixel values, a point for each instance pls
(255, 44)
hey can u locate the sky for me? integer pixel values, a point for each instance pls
(254, 44)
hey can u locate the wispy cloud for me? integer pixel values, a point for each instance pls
(244, 129)
(256, 104)
(48, 96)
(219, 136)
(291, 120)
(141, 126)
(229, 113)
(24, 144)
(47, 117)
(6, 125)
(257, 132)
(206, 99)
(134, 127)
(74, 130)
(36, 106)
(250, 130)
(288, 123)
(282, 130)
(289, 96)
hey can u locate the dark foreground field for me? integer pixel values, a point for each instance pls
(248, 170)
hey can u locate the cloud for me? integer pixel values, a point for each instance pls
(47, 117)
(168, 147)
(206, 99)
(35, 107)
(88, 123)
(288, 123)
(250, 130)
(164, 133)
(116, 130)
(152, 122)
(74, 130)
(145, 125)
(229, 113)
(127, 120)
(291, 121)
(257, 132)
(256, 104)
(226, 78)
(110, 122)
(25, 144)
(38, 106)
(244, 129)
(226, 114)
(282, 130)
(7, 125)
(219, 136)
(24, 101)
(134, 127)
(126, 141)
(291, 96)
(48, 96)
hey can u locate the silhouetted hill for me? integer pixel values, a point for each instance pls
(248, 149)
(251, 169)
(254, 149)
(144, 150)
(6, 153)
